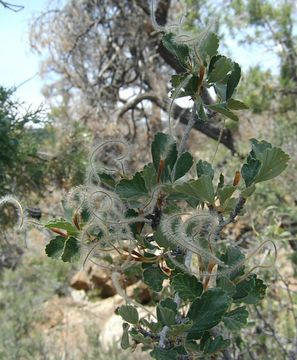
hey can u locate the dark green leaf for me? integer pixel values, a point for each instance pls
(162, 354)
(204, 168)
(234, 259)
(258, 147)
(206, 335)
(154, 277)
(150, 177)
(183, 85)
(128, 313)
(225, 193)
(187, 286)
(165, 316)
(248, 191)
(226, 284)
(233, 80)
(220, 70)
(131, 213)
(179, 329)
(125, 337)
(169, 304)
(201, 112)
(183, 165)
(162, 241)
(220, 90)
(200, 189)
(133, 189)
(208, 45)
(250, 170)
(107, 179)
(62, 225)
(71, 251)
(138, 337)
(273, 162)
(250, 290)
(208, 311)
(215, 345)
(54, 249)
(154, 327)
(164, 148)
(233, 104)
(222, 109)
(180, 51)
(64, 249)
(236, 319)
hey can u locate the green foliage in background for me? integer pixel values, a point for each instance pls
(19, 142)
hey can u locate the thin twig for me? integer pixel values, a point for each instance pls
(273, 334)
(12, 7)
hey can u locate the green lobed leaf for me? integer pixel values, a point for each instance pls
(220, 70)
(236, 319)
(226, 284)
(205, 336)
(204, 168)
(139, 338)
(165, 315)
(187, 286)
(54, 249)
(222, 109)
(208, 45)
(220, 90)
(234, 259)
(250, 290)
(250, 170)
(225, 192)
(213, 60)
(154, 277)
(180, 51)
(217, 344)
(183, 165)
(63, 225)
(131, 213)
(273, 162)
(183, 85)
(133, 189)
(200, 189)
(71, 251)
(107, 179)
(233, 80)
(207, 311)
(233, 104)
(248, 191)
(125, 337)
(149, 175)
(180, 329)
(258, 147)
(230, 205)
(128, 313)
(154, 327)
(162, 241)
(164, 148)
(169, 304)
(67, 250)
(201, 112)
(163, 354)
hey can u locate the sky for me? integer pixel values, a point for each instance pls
(18, 63)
